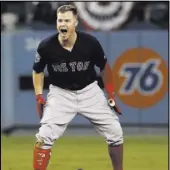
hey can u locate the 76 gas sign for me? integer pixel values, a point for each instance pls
(146, 78)
(140, 80)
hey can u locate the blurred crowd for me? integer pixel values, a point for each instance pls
(99, 16)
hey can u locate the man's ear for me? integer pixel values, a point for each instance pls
(76, 23)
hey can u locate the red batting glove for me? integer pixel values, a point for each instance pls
(111, 99)
(40, 104)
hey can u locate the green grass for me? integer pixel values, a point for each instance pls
(88, 153)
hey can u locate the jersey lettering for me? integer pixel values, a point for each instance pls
(86, 65)
(54, 67)
(64, 67)
(72, 65)
(79, 66)
(60, 67)
(75, 66)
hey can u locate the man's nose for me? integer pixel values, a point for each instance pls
(63, 24)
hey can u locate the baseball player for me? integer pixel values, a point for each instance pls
(70, 57)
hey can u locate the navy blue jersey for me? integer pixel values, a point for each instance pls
(70, 70)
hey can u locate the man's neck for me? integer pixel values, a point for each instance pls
(69, 42)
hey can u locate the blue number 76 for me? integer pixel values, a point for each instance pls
(146, 78)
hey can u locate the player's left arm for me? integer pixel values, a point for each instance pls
(106, 74)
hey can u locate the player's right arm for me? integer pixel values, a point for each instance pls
(38, 81)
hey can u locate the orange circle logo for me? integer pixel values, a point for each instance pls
(140, 77)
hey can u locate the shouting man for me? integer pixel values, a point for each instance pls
(71, 57)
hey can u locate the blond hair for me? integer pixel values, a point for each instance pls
(65, 8)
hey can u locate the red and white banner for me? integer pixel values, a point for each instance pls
(104, 15)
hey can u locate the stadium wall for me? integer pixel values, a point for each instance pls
(18, 106)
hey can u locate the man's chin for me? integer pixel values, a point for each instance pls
(64, 37)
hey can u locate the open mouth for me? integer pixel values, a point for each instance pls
(63, 31)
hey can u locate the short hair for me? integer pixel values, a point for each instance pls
(65, 8)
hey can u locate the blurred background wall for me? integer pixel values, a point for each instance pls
(134, 36)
